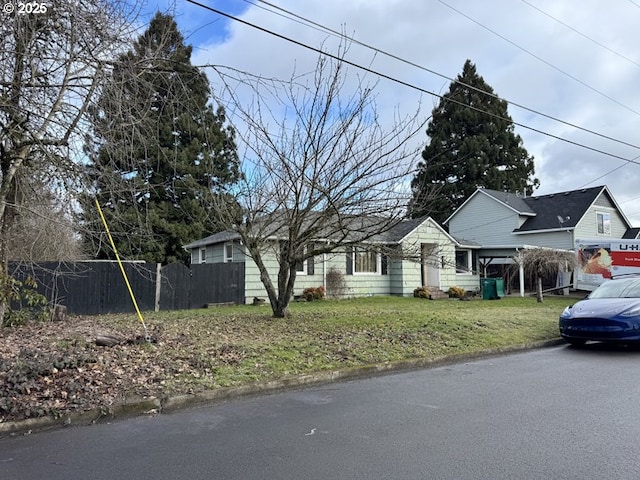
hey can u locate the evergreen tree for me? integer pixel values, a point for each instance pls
(160, 152)
(471, 144)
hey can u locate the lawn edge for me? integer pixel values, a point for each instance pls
(170, 404)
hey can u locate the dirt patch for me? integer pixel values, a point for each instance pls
(58, 368)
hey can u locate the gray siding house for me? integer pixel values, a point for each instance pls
(414, 253)
(504, 223)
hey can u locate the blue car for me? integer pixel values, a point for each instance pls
(611, 313)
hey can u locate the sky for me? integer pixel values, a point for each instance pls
(573, 64)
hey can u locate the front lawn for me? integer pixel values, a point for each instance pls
(55, 368)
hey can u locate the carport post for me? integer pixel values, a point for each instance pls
(521, 278)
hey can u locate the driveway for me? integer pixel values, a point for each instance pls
(556, 413)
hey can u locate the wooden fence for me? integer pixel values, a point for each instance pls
(90, 288)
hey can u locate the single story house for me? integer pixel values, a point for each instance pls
(415, 253)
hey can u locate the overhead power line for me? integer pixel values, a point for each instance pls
(611, 50)
(537, 57)
(335, 33)
(414, 87)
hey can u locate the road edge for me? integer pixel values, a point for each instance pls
(170, 404)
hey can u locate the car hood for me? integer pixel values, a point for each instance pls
(599, 307)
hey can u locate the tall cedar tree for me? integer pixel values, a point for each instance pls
(472, 144)
(160, 152)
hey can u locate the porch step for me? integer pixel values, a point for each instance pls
(436, 294)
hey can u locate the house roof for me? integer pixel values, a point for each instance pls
(403, 229)
(632, 234)
(220, 237)
(394, 235)
(463, 242)
(511, 200)
(555, 211)
(561, 210)
(399, 231)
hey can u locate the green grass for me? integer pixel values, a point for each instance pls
(197, 350)
(236, 345)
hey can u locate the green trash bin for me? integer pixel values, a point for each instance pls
(499, 287)
(489, 291)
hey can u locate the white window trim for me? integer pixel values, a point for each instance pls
(604, 233)
(228, 259)
(469, 261)
(304, 268)
(305, 264)
(378, 262)
(202, 255)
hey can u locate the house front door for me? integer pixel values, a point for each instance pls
(429, 265)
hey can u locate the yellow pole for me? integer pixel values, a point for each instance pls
(124, 274)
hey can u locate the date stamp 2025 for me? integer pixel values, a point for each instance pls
(24, 8)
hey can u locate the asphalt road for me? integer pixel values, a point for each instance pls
(557, 413)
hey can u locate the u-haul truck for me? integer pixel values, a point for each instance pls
(601, 259)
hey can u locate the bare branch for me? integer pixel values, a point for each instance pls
(322, 171)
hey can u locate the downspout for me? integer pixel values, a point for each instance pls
(324, 271)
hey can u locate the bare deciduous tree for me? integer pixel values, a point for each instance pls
(44, 229)
(51, 67)
(321, 173)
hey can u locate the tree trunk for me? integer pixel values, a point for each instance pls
(539, 289)
(279, 303)
(286, 281)
(4, 277)
(282, 309)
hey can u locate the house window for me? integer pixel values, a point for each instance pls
(301, 268)
(228, 252)
(462, 261)
(365, 260)
(203, 255)
(306, 266)
(604, 223)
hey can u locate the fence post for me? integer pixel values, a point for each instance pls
(158, 285)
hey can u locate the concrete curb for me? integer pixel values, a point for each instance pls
(153, 405)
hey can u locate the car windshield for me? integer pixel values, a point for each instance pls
(628, 288)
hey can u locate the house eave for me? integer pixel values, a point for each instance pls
(545, 230)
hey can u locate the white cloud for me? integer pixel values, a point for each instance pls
(435, 36)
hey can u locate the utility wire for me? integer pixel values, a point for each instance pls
(317, 26)
(581, 34)
(406, 84)
(537, 57)
(605, 174)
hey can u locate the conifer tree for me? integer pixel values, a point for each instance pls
(471, 144)
(159, 151)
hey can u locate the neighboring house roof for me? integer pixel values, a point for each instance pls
(561, 210)
(463, 242)
(632, 234)
(220, 237)
(555, 211)
(510, 200)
